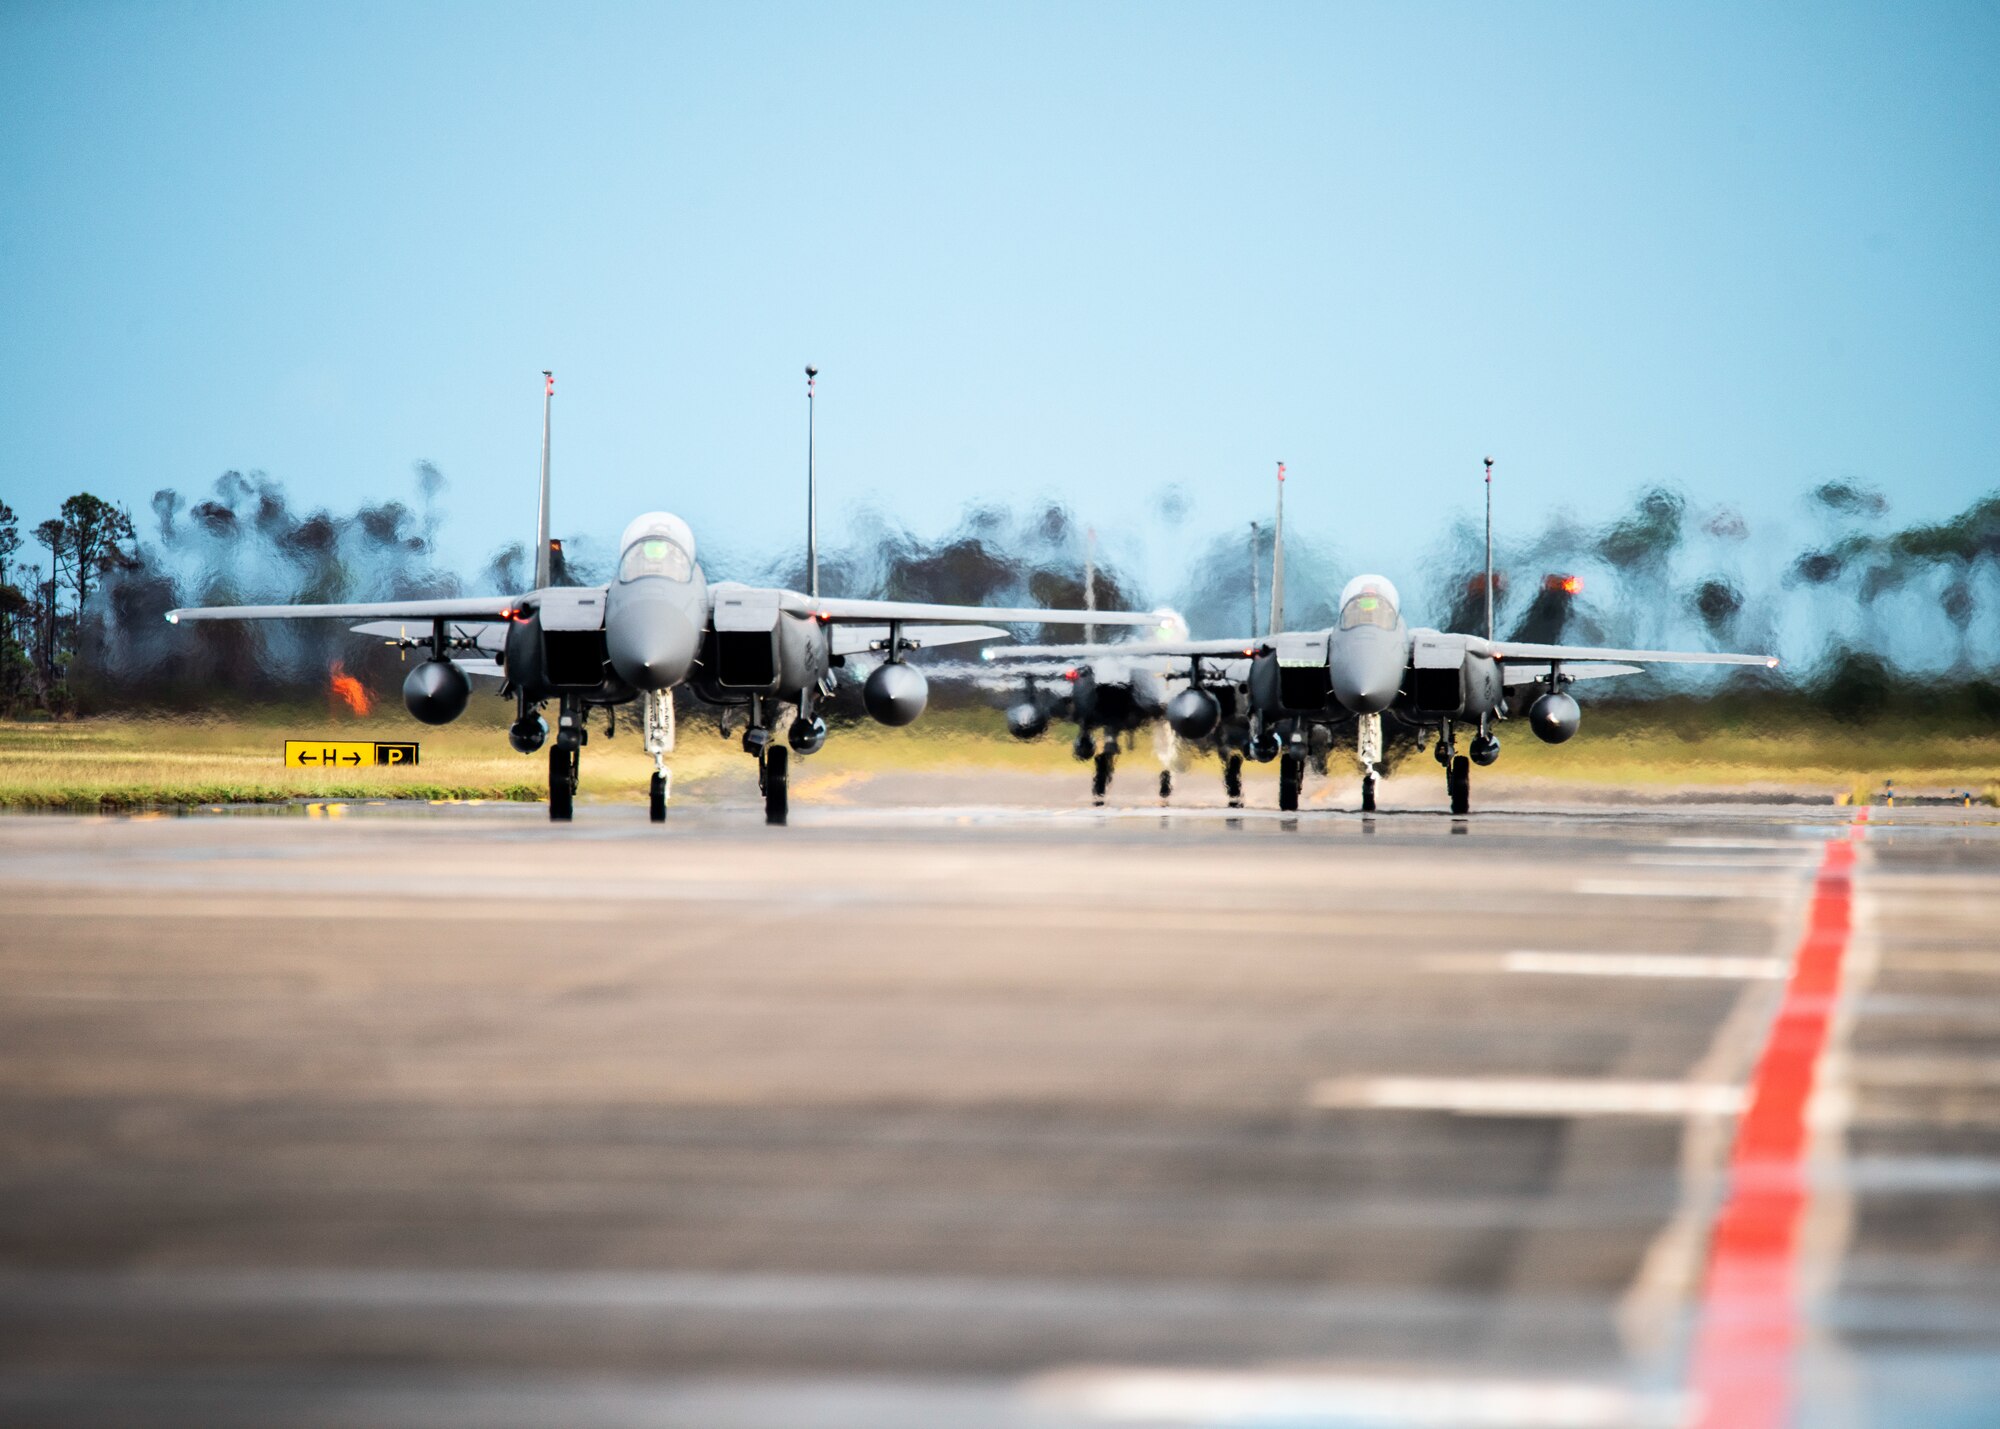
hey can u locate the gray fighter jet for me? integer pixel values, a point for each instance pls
(1372, 665)
(1113, 697)
(657, 625)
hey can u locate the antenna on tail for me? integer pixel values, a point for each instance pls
(1489, 548)
(812, 494)
(543, 574)
(1278, 559)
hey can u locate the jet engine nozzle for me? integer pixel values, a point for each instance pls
(1554, 717)
(1027, 720)
(895, 694)
(528, 735)
(436, 691)
(1193, 713)
(1485, 749)
(807, 735)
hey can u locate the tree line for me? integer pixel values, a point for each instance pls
(42, 600)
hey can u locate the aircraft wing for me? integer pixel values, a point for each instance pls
(1585, 670)
(482, 607)
(858, 639)
(486, 634)
(1232, 649)
(829, 610)
(1514, 651)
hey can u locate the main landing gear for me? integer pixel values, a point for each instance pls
(774, 778)
(1457, 770)
(1232, 779)
(1291, 775)
(566, 761)
(1103, 767)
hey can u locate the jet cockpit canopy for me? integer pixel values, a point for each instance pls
(656, 544)
(1369, 600)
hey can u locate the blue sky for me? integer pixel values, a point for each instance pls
(1087, 252)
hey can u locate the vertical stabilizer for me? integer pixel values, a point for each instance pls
(543, 573)
(1278, 559)
(812, 494)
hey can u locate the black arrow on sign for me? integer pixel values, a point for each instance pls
(352, 757)
(305, 758)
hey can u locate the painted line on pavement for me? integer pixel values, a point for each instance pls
(1305, 1396)
(1530, 1096)
(1743, 1368)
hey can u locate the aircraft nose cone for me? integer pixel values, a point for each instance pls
(652, 645)
(1366, 675)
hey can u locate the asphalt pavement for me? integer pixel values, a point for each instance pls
(982, 1116)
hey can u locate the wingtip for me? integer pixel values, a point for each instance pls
(173, 617)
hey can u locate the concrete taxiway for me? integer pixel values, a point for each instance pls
(986, 1117)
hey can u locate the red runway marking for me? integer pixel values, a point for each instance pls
(1742, 1366)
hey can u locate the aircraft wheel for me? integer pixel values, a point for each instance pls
(1100, 779)
(1166, 783)
(1367, 796)
(1232, 780)
(657, 808)
(1460, 785)
(1291, 773)
(777, 791)
(562, 783)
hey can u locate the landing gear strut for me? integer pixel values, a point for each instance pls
(566, 761)
(1166, 785)
(1291, 774)
(774, 777)
(1106, 762)
(1232, 779)
(658, 725)
(1368, 750)
(1457, 770)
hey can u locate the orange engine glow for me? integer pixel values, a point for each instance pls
(350, 691)
(1568, 585)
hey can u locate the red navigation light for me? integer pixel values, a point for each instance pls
(1563, 585)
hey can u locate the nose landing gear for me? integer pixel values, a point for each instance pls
(658, 726)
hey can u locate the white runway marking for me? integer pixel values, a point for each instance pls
(1637, 888)
(1169, 1396)
(1663, 965)
(1530, 1096)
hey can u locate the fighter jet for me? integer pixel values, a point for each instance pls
(658, 625)
(1371, 664)
(1112, 696)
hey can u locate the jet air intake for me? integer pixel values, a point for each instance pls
(436, 692)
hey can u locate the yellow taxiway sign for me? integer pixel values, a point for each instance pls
(345, 753)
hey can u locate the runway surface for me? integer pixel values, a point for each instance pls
(982, 1117)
